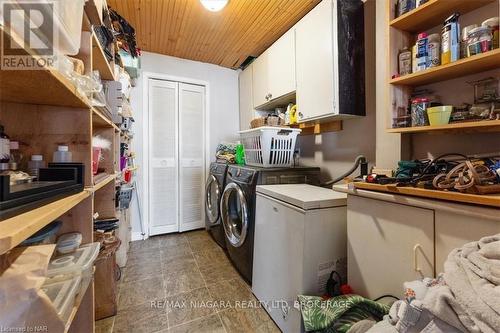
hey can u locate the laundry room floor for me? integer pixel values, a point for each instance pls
(183, 283)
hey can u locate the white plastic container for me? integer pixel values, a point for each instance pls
(62, 155)
(63, 294)
(66, 16)
(76, 263)
(269, 147)
(35, 164)
(69, 242)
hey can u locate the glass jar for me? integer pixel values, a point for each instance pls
(419, 112)
(479, 40)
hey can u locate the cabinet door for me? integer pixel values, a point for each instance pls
(314, 63)
(454, 230)
(281, 65)
(260, 82)
(383, 240)
(191, 156)
(247, 112)
(163, 161)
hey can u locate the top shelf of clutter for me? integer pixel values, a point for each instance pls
(433, 13)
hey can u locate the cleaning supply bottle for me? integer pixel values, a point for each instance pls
(240, 154)
(62, 155)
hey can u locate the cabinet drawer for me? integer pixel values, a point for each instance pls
(384, 240)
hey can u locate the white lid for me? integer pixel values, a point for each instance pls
(37, 157)
(69, 239)
(74, 263)
(62, 148)
(14, 145)
(62, 293)
(304, 196)
(491, 22)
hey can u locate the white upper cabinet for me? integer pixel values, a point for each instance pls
(314, 59)
(274, 70)
(247, 112)
(330, 67)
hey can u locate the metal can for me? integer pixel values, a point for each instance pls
(405, 62)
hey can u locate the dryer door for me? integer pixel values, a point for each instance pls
(212, 199)
(234, 210)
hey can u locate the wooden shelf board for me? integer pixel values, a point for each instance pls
(105, 181)
(483, 200)
(100, 120)
(433, 13)
(20, 227)
(45, 86)
(471, 126)
(318, 128)
(475, 64)
(99, 60)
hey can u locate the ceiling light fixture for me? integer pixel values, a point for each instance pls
(214, 5)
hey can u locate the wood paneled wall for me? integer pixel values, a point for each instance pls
(185, 29)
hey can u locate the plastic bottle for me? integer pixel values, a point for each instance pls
(240, 154)
(62, 155)
(35, 164)
(422, 51)
(4, 146)
(15, 156)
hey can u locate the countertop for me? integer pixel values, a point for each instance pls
(461, 209)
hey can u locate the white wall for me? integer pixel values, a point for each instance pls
(223, 105)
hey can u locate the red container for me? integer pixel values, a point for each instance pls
(127, 176)
(96, 157)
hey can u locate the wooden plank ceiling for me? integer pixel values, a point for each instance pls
(185, 29)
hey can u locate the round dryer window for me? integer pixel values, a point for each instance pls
(234, 211)
(212, 199)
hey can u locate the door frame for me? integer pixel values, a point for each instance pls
(146, 76)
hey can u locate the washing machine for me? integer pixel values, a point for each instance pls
(214, 187)
(238, 207)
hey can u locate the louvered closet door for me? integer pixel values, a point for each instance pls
(163, 157)
(191, 156)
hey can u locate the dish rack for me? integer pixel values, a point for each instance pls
(269, 147)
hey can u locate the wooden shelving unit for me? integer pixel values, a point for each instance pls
(310, 128)
(402, 32)
(43, 109)
(478, 63)
(18, 228)
(100, 61)
(472, 126)
(432, 13)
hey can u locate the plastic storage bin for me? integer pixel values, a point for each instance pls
(67, 18)
(46, 235)
(269, 147)
(63, 295)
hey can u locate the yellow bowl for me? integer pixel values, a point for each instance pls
(439, 115)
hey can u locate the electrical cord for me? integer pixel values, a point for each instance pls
(360, 160)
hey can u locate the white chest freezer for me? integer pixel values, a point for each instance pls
(300, 238)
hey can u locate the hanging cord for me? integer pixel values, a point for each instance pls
(360, 160)
(385, 296)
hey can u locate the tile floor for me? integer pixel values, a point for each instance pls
(183, 283)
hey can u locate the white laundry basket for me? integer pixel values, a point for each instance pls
(269, 147)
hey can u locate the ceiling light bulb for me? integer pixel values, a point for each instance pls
(214, 5)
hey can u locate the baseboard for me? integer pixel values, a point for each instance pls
(136, 236)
